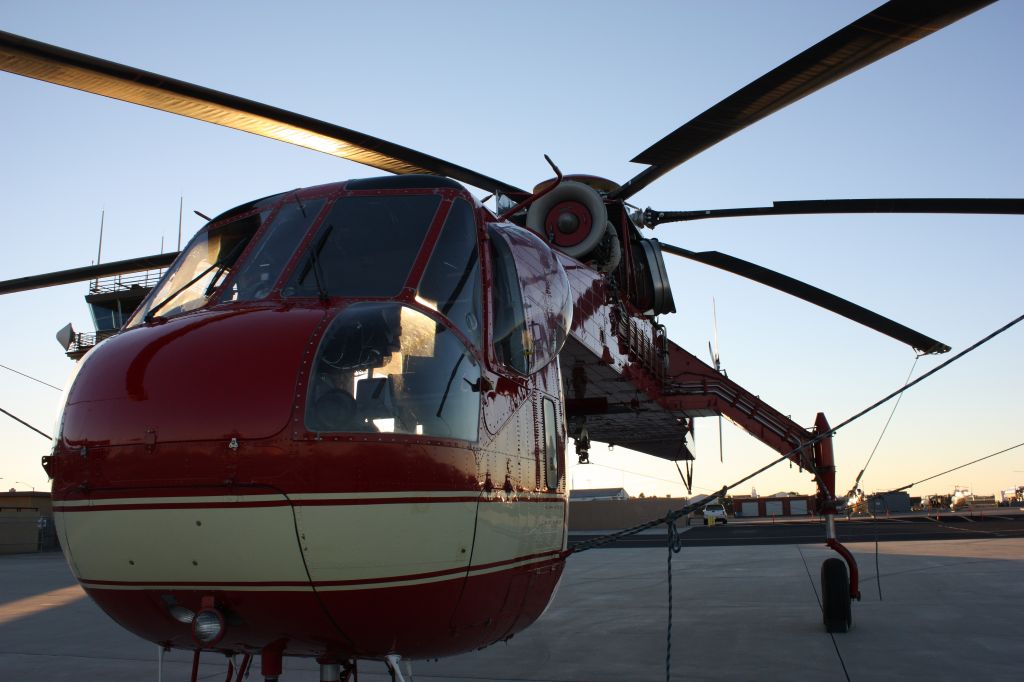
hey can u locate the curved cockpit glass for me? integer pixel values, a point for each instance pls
(201, 268)
(365, 247)
(532, 301)
(451, 281)
(388, 368)
(511, 343)
(257, 275)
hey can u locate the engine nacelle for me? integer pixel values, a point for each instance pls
(571, 218)
(654, 291)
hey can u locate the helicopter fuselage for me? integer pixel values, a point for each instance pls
(324, 426)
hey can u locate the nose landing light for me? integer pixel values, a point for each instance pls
(208, 627)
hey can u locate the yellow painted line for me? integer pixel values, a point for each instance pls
(29, 606)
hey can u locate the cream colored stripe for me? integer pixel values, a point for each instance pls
(513, 530)
(250, 544)
(359, 542)
(498, 496)
(437, 494)
(324, 588)
(260, 544)
(198, 587)
(433, 579)
(234, 499)
(210, 499)
(348, 542)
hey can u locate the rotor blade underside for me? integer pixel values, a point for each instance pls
(829, 206)
(812, 294)
(121, 267)
(877, 34)
(34, 59)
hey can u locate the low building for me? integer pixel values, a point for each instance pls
(26, 522)
(608, 514)
(598, 494)
(780, 504)
(894, 503)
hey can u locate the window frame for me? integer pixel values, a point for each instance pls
(552, 468)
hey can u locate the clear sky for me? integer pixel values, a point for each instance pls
(494, 86)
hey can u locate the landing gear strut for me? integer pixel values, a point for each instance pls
(333, 670)
(838, 587)
(401, 671)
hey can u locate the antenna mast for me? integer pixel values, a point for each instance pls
(99, 251)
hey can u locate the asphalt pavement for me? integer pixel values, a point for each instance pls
(909, 527)
(931, 609)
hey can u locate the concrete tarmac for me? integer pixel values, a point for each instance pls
(936, 610)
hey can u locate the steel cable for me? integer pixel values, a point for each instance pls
(38, 381)
(948, 471)
(856, 483)
(675, 541)
(25, 423)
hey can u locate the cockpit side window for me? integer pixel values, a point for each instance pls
(509, 319)
(388, 368)
(451, 281)
(259, 272)
(365, 246)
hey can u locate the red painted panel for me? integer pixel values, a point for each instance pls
(212, 468)
(211, 375)
(414, 621)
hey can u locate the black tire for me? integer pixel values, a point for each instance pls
(835, 596)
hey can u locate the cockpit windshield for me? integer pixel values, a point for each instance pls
(451, 280)
(365, 247)
(202, 267)
(257, 275)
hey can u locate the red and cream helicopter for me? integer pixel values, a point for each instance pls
(346, 408)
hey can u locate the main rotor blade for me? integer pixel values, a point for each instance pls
(42, 61)
(812, 294)
(121, 267)
(821, 206)
(877, 34)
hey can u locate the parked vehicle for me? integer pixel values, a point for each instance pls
(717, 512)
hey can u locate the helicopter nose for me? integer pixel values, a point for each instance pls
(212, 375)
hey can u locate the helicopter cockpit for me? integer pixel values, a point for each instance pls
(396, 352)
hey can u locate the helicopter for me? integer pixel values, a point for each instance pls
(450, 382)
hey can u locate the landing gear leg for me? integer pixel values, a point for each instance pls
(401, 671)
(160, 651)
(333, 670)
(195, 665)
(330, 671)
(838, 587)
(270, 661)
(243, 667)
